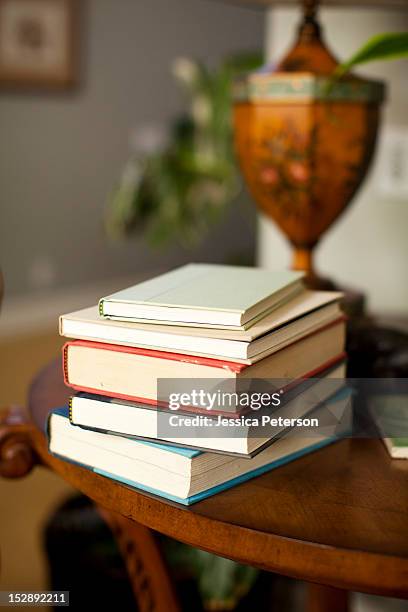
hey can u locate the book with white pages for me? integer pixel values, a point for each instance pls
(304, 314)
(205, 294)
(110, 415)
(150, 376)
(180, 474)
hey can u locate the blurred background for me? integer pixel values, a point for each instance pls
(76, 126)
(63, 150)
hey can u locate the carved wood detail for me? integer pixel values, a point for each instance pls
(17, 454)
(146, 567)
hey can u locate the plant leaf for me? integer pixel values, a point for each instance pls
(185, 187)
(380, 47)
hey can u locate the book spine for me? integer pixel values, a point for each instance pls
(65, 363)
(70, 411)
(48, 426)
(61, 325)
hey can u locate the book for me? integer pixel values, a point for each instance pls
(205, 294)
(179, 474)
(397, 447)
(304, 313)
(135, 373)
(207, 433)
(390, 414)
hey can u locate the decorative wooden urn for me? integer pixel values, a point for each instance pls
(305, 141)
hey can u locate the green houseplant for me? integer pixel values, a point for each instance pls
(381, 47)
(176, 192)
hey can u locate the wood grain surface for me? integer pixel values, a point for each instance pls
(337, 517)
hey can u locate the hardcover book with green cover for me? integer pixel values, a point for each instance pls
(205, 294)
(390, 413)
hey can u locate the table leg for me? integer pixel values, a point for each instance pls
(321, 598)
(150, 580)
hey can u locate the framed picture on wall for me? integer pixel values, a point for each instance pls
(38, 40)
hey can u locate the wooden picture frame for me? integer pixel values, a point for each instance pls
(38, 42)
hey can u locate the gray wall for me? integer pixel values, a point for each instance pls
(60, 154)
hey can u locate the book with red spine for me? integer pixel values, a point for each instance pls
(132, 373)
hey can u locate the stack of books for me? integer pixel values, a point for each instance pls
(136, 356)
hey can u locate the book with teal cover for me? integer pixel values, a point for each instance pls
(204, 293)
(188, 501)
(190, 454)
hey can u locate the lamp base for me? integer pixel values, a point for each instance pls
(319, 283)
(303, 261)
(353, 302)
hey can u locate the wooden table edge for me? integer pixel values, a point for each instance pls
(348, 569)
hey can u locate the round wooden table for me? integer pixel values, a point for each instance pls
(337, 517)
